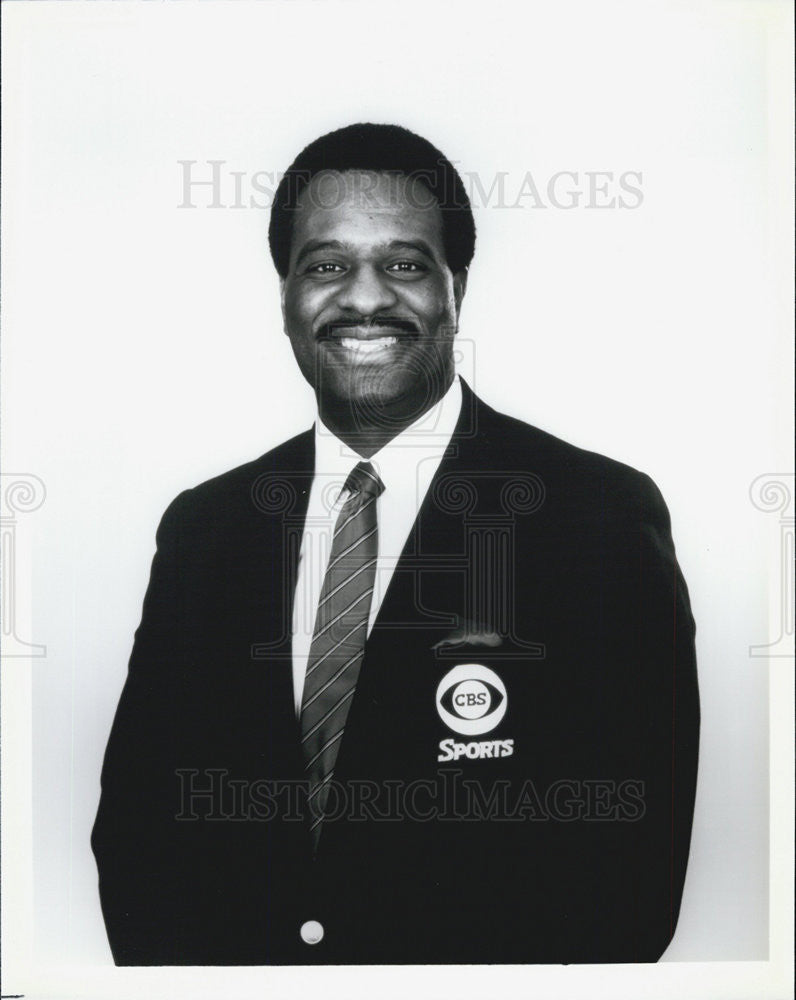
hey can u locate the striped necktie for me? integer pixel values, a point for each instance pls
(338, 642)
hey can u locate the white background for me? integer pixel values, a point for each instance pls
(143, 353)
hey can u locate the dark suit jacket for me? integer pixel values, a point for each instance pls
(552, 566)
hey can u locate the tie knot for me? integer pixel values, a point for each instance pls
(363, 479)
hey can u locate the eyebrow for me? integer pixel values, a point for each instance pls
(420, 245)
(313, 246)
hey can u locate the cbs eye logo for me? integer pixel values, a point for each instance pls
(471, 699)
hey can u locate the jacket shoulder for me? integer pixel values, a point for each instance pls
(251, 486)
(582, 476)
(517, 440)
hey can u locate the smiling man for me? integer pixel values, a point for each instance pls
(373, 269)
(419, 684)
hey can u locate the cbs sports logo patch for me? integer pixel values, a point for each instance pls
(471, 700)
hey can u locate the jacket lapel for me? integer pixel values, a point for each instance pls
(427, 592)
(279, 492)
(426, 600)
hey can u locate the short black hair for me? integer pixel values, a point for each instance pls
(380, 148)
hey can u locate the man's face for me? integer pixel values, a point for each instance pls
(369, 303)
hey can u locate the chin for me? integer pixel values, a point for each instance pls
(373, 394)
(389, 390)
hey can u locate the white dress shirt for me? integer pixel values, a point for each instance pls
(406, 465)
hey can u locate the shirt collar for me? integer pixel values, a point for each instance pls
(397, 461)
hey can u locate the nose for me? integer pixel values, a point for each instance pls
(366, 291)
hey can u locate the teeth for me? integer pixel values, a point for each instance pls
(367, 346)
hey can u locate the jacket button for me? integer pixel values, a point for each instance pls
(311, 932)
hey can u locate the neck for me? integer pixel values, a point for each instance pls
(366, 427)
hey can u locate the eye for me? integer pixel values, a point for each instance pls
(407, 267)
(324, 267)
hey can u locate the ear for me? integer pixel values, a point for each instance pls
(282, 284)
(459, 288)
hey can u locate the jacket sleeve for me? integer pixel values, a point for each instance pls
(625, 872)
(133, 836)
(667, 727)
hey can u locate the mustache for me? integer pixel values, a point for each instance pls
(336, 327)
